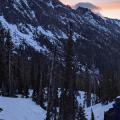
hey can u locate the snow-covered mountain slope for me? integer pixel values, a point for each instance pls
(40, 22)
(25, 109)
(25, 18)
(18, 36)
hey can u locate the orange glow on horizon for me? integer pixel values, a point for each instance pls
(112, 6)
(109, 8)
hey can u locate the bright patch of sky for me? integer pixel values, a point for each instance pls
(108, 8)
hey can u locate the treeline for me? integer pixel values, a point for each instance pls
(55, 84)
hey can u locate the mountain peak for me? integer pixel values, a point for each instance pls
(87, 5)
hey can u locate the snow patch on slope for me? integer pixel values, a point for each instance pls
(18, 36)
(46, 33)
(89, 18)
(50, 4)
(18, 5)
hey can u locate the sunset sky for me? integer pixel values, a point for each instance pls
(108, 8)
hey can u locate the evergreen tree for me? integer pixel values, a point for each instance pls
(3, 79)
(52, 90)
(7, 84)
(9, 49)
(108, 86)
(80, 115)
(35, 77)
(40, 94)
(23, 71)
(92, 115)
(68, 101)
(87, 88)
(20, 71)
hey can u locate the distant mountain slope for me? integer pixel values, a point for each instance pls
(94, 35)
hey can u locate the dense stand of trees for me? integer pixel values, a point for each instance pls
(55, 85)
(7, 83)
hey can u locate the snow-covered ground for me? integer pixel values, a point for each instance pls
(20, 109)
(26, 109)
(98, 110)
